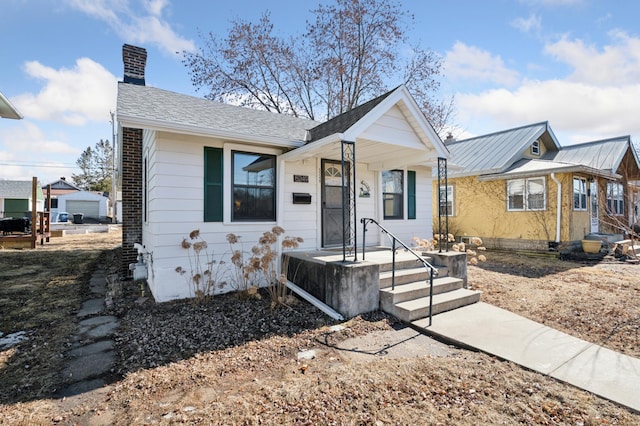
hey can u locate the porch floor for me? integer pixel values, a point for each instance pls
(378, 255)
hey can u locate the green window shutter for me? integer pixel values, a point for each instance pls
(411, 194)
(213, 193)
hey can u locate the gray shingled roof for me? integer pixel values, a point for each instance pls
(495, 152)
(341, 123)
(149, 104)
(18, 189)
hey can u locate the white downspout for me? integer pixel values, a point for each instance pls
(558, 207)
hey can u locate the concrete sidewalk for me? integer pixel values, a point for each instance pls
(493, 330)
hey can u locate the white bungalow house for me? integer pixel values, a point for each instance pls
(189, 163)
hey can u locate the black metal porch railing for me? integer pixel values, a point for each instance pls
(433, 271)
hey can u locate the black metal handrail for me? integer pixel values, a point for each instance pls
(433, 271)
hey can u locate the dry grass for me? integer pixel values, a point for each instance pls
(225, 367)
(597, 302)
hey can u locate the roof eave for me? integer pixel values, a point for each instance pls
(7, 110)
(568, 169)
(163, 126)
(310, 149)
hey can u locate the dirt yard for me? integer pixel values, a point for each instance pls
(234, 361)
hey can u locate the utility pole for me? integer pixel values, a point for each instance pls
(114, 193)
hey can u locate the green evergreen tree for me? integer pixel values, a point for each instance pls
(96, 165)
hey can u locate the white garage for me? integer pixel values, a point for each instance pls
(89, 208)
(92, 205)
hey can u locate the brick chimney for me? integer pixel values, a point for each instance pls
(135, 61)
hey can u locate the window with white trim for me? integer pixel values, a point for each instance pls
(526, 194)
(535, 147)
(253, 184)
(393, 194)
(447, 204)
(615, 198)
(579, 194)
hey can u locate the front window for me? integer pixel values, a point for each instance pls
(253, 187)
(615, 198)
(526, 194)
(446, 204)
(579, 194)
(392, 194)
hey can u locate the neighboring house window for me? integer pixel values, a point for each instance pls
(54, 203)
(579, 194)
(392, 194)
(535, 147)
(526, 194)
(615, 198)
(213, 190)
(446, 207)
(253, 187)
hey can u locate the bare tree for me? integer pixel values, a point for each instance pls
(352, 51)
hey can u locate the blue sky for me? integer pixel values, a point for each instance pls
(575, 63)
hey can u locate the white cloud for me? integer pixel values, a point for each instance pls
(569, 107)
(26, 151)
(137, 25)
(465, 62)
(532, 24)
(598, 98)
(615, 64)
(73, 96)
(28, 136)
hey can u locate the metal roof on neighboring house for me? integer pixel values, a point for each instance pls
(18, 189)
(150, 107)
(495, 152)
(7, 110)
(528, 167)
(602, 155)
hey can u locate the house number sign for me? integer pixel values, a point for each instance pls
(301, 178)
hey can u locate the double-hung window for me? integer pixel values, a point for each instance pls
(579, 194)
(447, 201)
(393, 194)
(526, 194)
(615, 198)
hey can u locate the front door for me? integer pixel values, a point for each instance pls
(332, 191)
(593, 190)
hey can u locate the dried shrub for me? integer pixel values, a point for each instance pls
(204, 273)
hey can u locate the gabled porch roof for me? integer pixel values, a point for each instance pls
(390, 132)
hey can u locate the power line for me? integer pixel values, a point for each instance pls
(66, 166)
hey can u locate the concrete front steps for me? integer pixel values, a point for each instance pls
(409, 300)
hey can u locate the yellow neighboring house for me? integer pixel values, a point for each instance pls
(510, 184)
